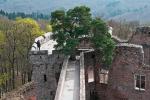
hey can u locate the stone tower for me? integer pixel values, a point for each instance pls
(43, 75)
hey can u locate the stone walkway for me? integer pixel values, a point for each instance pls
(72, 82)
(48, 46)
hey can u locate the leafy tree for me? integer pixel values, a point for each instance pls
(16, 39)
(103, 45)
(2, 42)
(19, 38)
(3, 78)
(48, 28)
(102, 40)
(2, 38)
(45, 26)
(30, 23)
(29, 30)
(69, 26)
(14, 15)
(26, 31)
(4, 26)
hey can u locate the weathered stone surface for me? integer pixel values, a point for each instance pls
(38, 57)
(142, 37)
(130, 59)
(127, 63)
(82, 78)
(44, 74)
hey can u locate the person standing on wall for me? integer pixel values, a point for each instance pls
(38, 44)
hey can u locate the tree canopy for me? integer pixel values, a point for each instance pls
(75, 23)
(32, 24)
(33, 15)
(102, 40)
(16, 39)
(69, 26)
(2, 38)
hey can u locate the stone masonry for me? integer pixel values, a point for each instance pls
(127, 63)
(132, 57)
(43, 75)
(142, 37)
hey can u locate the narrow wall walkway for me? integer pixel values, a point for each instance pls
(72, 82)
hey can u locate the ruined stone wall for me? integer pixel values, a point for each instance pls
(90, 86)
(130, 59)
(142, 37)
(88, 63)
(85, 43)
(57, 59)
(127, 63)
(43, 75)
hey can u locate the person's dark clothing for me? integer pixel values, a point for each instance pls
(38, 44)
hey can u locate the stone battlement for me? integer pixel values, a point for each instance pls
(41, 52)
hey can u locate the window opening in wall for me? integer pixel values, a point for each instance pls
(93, 56)
(90, 74)
(45, 78)
(139, 82)
(103, 75)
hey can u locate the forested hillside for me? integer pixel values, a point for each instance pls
(109, 9)
(14, 15)
(16, 39)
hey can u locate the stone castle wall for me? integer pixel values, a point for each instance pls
(45, 73)
(142, 37)
(130, 58)
(127, 63)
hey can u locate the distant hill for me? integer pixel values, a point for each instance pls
(108, 9)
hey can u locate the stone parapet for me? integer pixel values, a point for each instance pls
(38, 57)
(41, 52)
(82, 78)
(61, 80)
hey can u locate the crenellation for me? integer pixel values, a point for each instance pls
(46, 72)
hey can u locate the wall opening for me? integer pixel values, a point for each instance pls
(139, 81)
(45, 78)
(103, 75)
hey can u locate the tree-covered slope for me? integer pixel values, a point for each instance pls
(130, 9)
